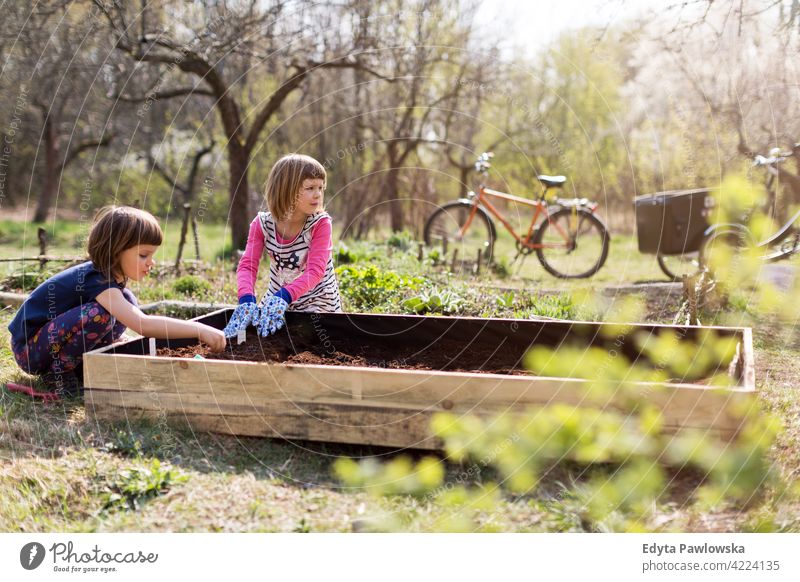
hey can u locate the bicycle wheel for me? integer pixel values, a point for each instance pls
(574, 243)
(727, 253)
(676, 267)
(443, 232)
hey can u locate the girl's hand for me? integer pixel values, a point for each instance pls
(212, 337)
(245, 314)
(271, 315)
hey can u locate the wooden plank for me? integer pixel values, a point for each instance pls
(206, 383)
(309, 382)
(346, 422)
(12, 299)
(316, 422)
(748, 373)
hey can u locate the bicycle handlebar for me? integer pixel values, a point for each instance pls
(776, 156)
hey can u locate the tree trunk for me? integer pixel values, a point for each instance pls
(187, 208)
(392, 195)
(51, 172)
(463, 186)
(239, 214)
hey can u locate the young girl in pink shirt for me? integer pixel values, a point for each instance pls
(296, 236)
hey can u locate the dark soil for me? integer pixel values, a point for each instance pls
(445, 354)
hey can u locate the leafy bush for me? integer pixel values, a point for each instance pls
(191, 285)
(623, 455)
(368, 287)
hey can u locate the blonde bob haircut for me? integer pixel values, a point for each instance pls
(285, 180)
(117, 229)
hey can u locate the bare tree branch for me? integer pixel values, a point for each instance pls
(168, 94)
(273, 104)
(81, 147)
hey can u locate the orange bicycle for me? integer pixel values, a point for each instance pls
(571, 242)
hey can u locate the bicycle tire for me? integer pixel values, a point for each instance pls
(454, 214)
(734, 238)
(547, 255)
(695, 266)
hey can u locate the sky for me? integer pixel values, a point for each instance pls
(532, 24)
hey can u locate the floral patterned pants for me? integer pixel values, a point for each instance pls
(60, 344)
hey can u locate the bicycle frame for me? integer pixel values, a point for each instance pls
(482, 199)
(784, 233)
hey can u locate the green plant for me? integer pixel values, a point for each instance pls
(555, 306)
(132, 487)
(506, 300)
(125, 443)
(226, 253)
(145, 439)
(191, 285)
(342, 255)
(368, 287)
(403, 240)
(501, 266)
(434, 301)
(28, 279)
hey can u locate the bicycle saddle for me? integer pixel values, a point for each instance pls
(552, 181)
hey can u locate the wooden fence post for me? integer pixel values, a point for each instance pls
(42, 234)
(184, 229)
(196, 239)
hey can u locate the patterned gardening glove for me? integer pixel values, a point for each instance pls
(271, 313)
(245, 314)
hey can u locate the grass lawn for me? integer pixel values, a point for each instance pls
(60, 471)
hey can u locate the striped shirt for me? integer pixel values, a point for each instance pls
(297, 264)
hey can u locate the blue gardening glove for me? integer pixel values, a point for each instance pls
(245, 314)
(270, 317)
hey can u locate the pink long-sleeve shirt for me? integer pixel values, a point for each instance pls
(319, 253)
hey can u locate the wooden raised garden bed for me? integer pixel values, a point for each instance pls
(378, 379)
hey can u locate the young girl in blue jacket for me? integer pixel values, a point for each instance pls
(89, 306)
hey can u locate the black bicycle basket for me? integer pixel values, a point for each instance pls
(673, 223)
